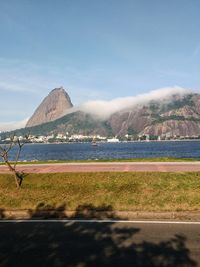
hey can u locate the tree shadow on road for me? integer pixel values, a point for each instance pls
(85, 244)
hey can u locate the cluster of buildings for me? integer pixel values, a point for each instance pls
(163, 137)
(62, 138)
(57, 138)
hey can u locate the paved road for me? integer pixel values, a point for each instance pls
(109, 166)
(99, 244)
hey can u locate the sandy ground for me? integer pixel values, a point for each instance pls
(108, 166)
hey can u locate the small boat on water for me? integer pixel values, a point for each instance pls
(94, 143)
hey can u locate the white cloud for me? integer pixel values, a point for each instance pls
(9, 126)
(103, 109)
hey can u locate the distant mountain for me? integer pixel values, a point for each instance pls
(54, 106)
(73, 123)
(179, 115)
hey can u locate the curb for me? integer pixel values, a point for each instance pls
(101, 215)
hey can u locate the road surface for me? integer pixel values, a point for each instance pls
(99, 244)
(108, 166)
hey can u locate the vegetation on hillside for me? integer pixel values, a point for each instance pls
(72, 123)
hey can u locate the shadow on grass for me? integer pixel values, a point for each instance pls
(87, 211)
(2, 215)
(85, 244)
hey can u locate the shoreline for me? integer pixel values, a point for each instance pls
(105, 142)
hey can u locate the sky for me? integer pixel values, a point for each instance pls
(96, 50)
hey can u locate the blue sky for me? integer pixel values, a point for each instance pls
(95, 49)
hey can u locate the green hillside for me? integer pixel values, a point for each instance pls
(74, 123)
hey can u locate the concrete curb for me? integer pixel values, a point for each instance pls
(101, 215)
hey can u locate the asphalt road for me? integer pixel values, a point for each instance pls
(108, 166)
(99, 244)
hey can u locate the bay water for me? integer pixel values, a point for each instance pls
(87, 151)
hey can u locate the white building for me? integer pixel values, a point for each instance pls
(113, 140)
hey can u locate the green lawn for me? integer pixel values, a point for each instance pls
(123, 191)
(162, 159)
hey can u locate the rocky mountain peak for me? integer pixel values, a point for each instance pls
(54, 106)
(58, 89)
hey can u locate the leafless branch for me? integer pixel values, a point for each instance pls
(4, 153)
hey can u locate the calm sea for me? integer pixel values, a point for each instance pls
(80, 151)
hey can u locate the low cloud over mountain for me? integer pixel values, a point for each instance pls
(103, 109)
(100, 109)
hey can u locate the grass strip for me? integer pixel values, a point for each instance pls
(161, 159)
(122, 191)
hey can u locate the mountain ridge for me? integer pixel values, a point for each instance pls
(178, 117)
